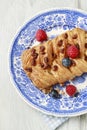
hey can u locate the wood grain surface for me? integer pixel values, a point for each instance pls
(15, 114)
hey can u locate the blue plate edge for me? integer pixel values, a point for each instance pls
(10, 65)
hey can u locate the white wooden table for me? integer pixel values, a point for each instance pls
(15, 114)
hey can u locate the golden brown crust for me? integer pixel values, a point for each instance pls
(43, 63)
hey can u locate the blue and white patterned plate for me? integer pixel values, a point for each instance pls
(54, 22)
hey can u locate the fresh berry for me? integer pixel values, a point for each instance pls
(76, 94)
(41, 35)
(72, 51)
(55, 94)
(66, 62)
(71, 90)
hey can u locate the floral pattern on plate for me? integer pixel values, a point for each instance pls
(53, 22)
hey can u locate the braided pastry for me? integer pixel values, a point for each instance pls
(43, 63)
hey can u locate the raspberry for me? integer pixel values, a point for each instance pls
(41, 35)
(71, 90)
(72, 51)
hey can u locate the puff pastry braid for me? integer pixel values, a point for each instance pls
(43, 63)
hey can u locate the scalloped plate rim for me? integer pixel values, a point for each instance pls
(11, 75)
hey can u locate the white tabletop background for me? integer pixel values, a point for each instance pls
(15, 114)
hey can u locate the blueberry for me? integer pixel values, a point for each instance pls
(66, 62)
(76, 94)
(55, 94)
